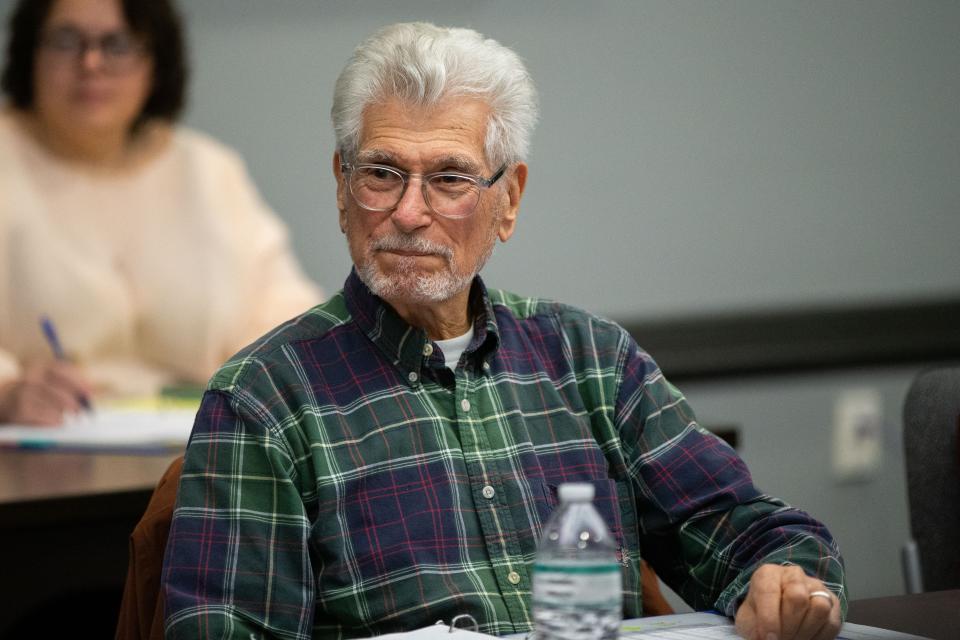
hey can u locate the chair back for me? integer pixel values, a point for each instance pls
(141, 610)
(931, 440)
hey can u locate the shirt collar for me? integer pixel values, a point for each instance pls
(403, 344)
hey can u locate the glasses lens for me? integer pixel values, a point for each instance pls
(377, 188)
(453, 195)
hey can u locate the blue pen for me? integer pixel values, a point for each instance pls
(50, 333)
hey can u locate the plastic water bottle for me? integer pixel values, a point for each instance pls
(577, 585)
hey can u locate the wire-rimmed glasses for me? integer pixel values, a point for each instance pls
(450, 194)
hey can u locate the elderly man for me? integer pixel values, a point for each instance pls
(388, 459)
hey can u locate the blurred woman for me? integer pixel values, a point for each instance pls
(143, 242)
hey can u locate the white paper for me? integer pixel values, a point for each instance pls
(437, 631)
(710, 626)
(683, 626)
(106, 429)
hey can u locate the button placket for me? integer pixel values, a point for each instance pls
(495, 519)
(464, 384)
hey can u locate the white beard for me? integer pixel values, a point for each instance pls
(406, 284)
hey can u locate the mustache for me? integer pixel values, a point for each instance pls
(415, 244)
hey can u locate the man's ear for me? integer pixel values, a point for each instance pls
(516, 182)
(341, 190)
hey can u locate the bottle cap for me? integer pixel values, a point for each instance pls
(575, 492)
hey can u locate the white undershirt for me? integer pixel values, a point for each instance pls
(453, 348)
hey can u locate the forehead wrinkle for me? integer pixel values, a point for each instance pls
(450, 135)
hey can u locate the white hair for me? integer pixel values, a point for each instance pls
(422, 64)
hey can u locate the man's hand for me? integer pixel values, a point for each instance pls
(44, 393)
(783, 603)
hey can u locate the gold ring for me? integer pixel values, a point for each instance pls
(823, 594)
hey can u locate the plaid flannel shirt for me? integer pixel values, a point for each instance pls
(340, 481)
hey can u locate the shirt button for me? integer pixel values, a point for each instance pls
(427, 349)
(488, 492)
(465, 404)
(413, 377)
(486, 366)
(513, 577)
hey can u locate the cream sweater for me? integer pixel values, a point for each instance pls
(151, 277)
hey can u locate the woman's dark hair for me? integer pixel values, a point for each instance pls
(156, 21)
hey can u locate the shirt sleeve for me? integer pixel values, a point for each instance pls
(237, 561)
(705, 527)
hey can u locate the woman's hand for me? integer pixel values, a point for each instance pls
(44, 394)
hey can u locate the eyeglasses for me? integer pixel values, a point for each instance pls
(377, 187)
(119, 50)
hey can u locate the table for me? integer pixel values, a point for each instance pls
(935, 614)
(65, 522)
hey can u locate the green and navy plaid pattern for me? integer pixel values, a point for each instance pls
(341, 482)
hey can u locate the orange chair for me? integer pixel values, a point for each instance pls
(654, 604)
(141, 610)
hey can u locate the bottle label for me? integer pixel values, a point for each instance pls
(597, 585)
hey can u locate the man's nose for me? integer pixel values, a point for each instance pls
(412, 212)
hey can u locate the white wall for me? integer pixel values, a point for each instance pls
(692, 156)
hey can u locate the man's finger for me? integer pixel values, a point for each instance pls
(765, 587)
(745, 620)
(822, 620)
(794, 601)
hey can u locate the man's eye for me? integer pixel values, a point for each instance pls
(378, 173)
(378, 178)
(451, 183)
(382, 174)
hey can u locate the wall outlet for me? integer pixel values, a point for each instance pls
(857, 434)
